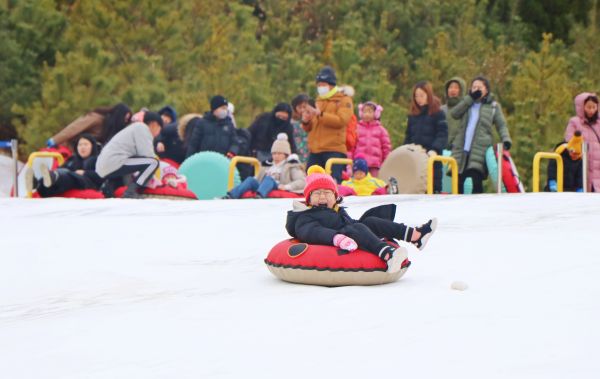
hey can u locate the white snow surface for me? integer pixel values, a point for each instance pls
(166, 289)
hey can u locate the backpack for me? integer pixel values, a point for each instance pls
(352, 133)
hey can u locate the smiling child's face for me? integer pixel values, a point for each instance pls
(322, 197)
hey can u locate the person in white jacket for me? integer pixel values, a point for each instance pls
(129, 151)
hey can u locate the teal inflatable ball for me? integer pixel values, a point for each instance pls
(207, 173)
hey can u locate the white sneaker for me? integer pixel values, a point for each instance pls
(395, 262)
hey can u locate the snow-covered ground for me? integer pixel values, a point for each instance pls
(165, 289)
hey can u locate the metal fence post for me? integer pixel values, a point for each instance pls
(500, 149)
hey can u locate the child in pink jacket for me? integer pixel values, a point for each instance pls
(373, 141)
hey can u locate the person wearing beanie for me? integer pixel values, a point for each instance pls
(572, 166)
(373, 142)
(214, 131)
(321, 220)
(128, 152)
(167, 144)
(283, 172)
(362, 183)
(478, 113)
(327, 122)
(587, 122)
(267, 126)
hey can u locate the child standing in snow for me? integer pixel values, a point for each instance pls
(320, 220)
(373, 139)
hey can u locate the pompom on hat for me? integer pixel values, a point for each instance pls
(281, 145)
(318, 179)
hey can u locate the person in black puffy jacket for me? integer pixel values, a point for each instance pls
(79, 172)
(321, 221)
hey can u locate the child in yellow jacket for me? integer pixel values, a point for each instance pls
(362, 182)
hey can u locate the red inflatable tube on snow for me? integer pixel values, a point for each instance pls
(166, 192)
(297, 262)
(76, 194)
(275, 194)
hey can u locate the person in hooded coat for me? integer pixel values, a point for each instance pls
(167, 144)
(101, 123)
(267, 126)
(587, 122)
(455, 90)
(79, 172)
(477, 113)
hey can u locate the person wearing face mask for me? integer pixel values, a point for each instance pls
(267, 126)
(326, 123)
(214, 131)
(587, 122)
(477, 113)
(78, 172)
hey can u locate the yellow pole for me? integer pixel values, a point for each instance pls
(331, 161)
(453, 168)
(240, 159)
(536, 170)
(43, 154)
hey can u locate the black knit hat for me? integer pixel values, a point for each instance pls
(152, 116)
(283, 107)
(327, 75)
(217, 102)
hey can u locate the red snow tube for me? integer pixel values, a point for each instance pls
(296, 262)
(275, 194)
(166, 192)
(76, 194)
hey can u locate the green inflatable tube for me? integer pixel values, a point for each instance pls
(207, 174)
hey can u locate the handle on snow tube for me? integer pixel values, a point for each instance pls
(536, 170)
(240, 159)
(453, 168)
(331, 161)
(43, 154)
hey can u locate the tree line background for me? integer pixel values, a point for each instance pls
(61, 58)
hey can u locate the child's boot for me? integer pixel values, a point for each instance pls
(48, 177)
(31, 181)
(393, 257)
(426, 231)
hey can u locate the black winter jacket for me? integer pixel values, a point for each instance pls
(174, 149)
(211, 134)
(319, 225)
(90, 178)
(265, 129)
(431, 132)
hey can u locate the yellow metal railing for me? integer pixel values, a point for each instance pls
(43, 154)
(331, 161)
(453, 168)
(536, 170)
(241, 159)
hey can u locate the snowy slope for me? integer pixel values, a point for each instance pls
(161, 289)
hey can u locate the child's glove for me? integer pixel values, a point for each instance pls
(344, 242)
(552, 186)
